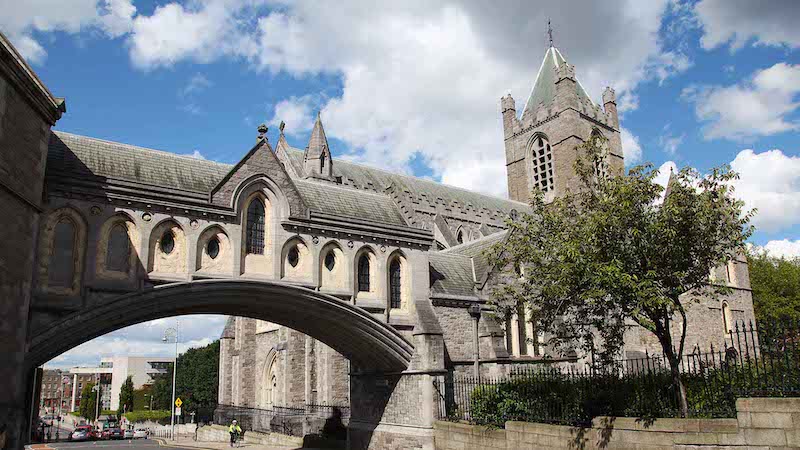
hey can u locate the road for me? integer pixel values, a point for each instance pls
(143, 444)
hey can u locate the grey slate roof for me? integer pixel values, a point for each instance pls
(544, 88)
(477, 250)
(371, 178)
(452, 274)
(340, 201)
(82, 157)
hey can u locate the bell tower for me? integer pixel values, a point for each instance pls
(541, 144)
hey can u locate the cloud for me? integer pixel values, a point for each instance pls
(670, 142)
(770, 182)
(20, 19)
(735, 22)
(144, 339)
(759, 106)
(630, 147)
(783, 248)
(198, 83)
(418, 79)
(196, 155)
(298, 113)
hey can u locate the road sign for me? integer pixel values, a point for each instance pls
(178, 402)
(178, 411)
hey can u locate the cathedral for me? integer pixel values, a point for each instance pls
(263, 365)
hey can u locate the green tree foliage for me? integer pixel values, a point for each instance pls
(88, 402)
(162, 391)
(776, 288)
(126, 396)
(611, 252)
(197, 379)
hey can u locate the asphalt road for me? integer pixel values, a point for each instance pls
(144, 444)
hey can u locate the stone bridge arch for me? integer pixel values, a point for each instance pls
(372, 345)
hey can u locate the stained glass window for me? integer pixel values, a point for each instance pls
(363, 273)
(395, 284)
(255, 227)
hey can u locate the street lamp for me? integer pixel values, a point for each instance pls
(96, 388)
(173, 333)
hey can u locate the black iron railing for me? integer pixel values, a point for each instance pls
(751, 362)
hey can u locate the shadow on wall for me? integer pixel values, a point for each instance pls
(333, 435)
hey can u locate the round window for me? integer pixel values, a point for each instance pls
(293, 257)
(330, 261)
(167, 242)
(212, 248)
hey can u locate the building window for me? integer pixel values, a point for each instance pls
(330, 261)
(727, 317)
(395, 285)
(212, 248)
(167, 242)
(542, 164)
(601, 159)
(255, 227)
(522, 332)
(118, 252)
(460, 236)
(62, 265)
(293, 256)
(363, 273)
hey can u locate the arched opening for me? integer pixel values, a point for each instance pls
(167, 249)
(214, 252)
(366, 270)
(117, 255)
(727, 318)
(601, 158)
(333, 270)
(256, 234)
(460, 236)
(398, 282)
(296, 261)
(61, 253)
(541, 163)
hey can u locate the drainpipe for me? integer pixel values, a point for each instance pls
(475, 313)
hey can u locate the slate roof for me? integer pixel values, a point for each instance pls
(477, 250)
(371, 178)
(544, 88)
(348, 202)
(82, 157)
(452, 274)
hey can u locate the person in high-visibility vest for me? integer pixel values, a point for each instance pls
(235, 430)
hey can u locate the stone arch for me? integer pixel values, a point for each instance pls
(107, 244)
(333, 269)
(398, 282)
(161, 260)
(267, 385)
(371, 344)
(256, 257)
(51, 231)
(300, 270)
(211, 257)
(359, 278)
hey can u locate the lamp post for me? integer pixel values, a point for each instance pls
(173, 333)
(96, 388)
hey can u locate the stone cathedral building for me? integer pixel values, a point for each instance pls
(264, 365)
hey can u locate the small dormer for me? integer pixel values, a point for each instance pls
(317, 161)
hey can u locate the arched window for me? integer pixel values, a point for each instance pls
(395, 285)
(542, 164)
(460, 236)
(601, 159)
(118, 252)
(522, 331)
(330, 261)
(62, 266)
(322, 162)
(255, 227)
(727, 317)
(363, 273)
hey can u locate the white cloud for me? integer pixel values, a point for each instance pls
(767, 22)
(770, 182)
(663, 176)
(630, 147)
(19, 19)
(298, 113)
(419, 79)
(783, 248)
(196, 155)
(198, 83)
(755, 107)
(670, 142)
(144, 339)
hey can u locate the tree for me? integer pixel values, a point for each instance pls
(126, 396)
(610, 253)
(88, 404)
(162, 390)
(197, 378)
(776, 288)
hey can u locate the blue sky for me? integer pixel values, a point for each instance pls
(415, 86)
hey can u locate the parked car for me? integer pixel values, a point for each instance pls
(104, 434)
(140, 434)
(127, 433)
(115, 433)
(82, 433)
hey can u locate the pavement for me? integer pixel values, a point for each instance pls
(146, 444)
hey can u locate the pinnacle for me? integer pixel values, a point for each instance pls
(318, 141)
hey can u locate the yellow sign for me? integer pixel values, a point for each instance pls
(178, 402)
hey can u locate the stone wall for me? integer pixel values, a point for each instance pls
(761, 423)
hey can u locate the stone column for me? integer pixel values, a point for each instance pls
(475, 313)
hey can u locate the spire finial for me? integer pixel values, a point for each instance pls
(550, 32)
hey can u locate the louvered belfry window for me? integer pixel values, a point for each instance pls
(363, 273)
(255, 227)
(394, 284)
(542, 164)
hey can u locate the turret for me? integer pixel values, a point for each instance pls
(566, 89)
(317, 162)
(509, 110)
(610, 106)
